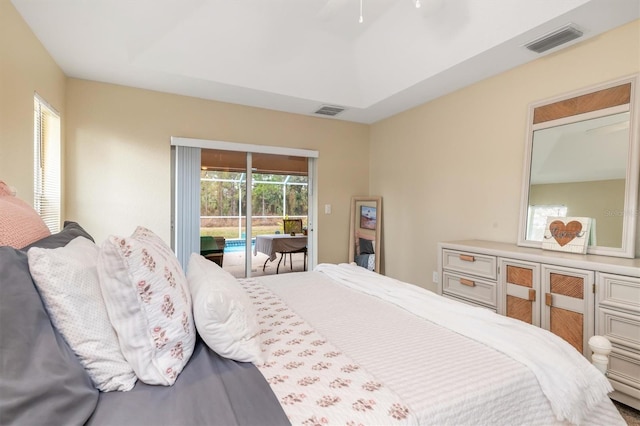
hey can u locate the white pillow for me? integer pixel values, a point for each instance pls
(68, 283)
(223, 313)
(149, 305)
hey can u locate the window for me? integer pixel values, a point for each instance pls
(46, 170)
(537, 219)
(279, 189)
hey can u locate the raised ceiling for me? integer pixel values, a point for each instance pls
(297, 55)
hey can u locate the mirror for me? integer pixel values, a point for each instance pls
(582, 160)
(365, 230)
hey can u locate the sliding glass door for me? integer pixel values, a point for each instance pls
(244, 195)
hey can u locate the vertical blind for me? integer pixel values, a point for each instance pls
(47, 161)
(186, 210)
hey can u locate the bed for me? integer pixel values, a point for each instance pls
(365, 250)
(337, 345)
(441, 375)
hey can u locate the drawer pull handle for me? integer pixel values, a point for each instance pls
(532, 295)
(467, 258)
(548, 299)
(467, 282)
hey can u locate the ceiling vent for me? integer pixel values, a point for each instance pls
(329, 110)
(554, 39)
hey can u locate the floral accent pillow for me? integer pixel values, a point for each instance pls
(67, 279)
(224, 315)
(149, 305)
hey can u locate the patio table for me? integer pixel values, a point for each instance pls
(273, 244)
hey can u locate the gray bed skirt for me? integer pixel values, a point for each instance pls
(211, 390)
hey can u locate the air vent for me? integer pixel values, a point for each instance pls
(554, 39)
(329, 110)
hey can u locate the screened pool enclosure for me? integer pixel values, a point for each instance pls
(274, 197)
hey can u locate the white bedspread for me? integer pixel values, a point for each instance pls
(444, 377)
(314, 381)
(572, 385)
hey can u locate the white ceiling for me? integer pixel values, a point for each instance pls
(297, 55)
(588, 150)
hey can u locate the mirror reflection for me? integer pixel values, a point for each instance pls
(582, 159)
(365, 229)
(579, 169)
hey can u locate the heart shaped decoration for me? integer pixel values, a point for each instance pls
(564, 234)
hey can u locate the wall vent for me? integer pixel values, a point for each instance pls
(329, 110)
(554, 39)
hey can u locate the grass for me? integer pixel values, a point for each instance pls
(231, 232)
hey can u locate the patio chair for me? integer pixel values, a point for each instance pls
(295, 226)
(292, 225)
(212, 248)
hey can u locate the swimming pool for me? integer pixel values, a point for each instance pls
(237, 246)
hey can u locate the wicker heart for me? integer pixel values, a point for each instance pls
(562, 233)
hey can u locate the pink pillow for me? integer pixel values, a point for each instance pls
(4, 189)
(20, 224)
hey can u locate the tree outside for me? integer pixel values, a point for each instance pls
(274, 197)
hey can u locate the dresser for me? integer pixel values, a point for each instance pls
(573, 296)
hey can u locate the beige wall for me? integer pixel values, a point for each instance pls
(25, 68)
(452, 168)
(116, 152)
(448, 169)
(601, 200)
(118, 156)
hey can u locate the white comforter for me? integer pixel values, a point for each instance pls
(443, 377)
(572, 385)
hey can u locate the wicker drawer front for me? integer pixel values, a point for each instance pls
(619, 291)
(470, 263)
(471, 288)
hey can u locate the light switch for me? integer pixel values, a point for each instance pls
(327, 209)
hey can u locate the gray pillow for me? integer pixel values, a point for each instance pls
(366, 246)
(70, 231)
(41, 379)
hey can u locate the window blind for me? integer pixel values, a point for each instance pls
(47, 164)
(186, 208)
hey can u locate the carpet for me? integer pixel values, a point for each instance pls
(630, 415)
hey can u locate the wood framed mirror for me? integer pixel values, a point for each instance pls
(582, 160)
(365, 233)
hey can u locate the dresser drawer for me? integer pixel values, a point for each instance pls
(470, 288)
(619, 327)
(619, 291)
(624, 367)
(468, 302)
(470, 263)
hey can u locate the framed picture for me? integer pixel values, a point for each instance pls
(569, 234)
(367, 217)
